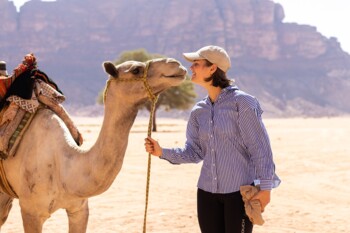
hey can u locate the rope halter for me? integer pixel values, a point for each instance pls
(152, 97)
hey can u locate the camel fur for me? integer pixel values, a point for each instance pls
(50, 172)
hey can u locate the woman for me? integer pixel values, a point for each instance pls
(226, 132)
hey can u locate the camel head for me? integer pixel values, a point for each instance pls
(160, 73)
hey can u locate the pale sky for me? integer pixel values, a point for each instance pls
(329, 16)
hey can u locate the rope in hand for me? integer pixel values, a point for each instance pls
(153, 98)
(154, 101)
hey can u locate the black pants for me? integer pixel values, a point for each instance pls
(222, 213)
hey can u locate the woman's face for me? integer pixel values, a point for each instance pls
(200, 71)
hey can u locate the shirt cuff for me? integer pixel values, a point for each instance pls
(266, 184)
(166, 153)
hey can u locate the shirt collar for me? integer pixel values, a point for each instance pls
(223, 93)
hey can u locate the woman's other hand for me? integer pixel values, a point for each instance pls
(264, 196)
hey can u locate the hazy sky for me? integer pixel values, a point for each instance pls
(329, 16)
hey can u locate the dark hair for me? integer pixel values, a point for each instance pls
(219, 78)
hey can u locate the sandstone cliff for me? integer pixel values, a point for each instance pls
(291, 68)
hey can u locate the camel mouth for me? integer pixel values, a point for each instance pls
(180, 75)
(177, 76)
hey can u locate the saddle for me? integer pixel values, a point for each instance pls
(30, 90)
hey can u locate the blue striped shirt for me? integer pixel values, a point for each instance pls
(231, 140)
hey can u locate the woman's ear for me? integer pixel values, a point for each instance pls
(213, 68)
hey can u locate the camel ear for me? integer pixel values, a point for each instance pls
(110, 69)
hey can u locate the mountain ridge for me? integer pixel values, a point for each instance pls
(292, 69)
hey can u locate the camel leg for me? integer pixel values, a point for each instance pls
(78, 218)
(32, 223)
(5, 207)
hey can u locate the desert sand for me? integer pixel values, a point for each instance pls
(312, 157)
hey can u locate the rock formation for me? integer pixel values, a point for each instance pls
(291, 68)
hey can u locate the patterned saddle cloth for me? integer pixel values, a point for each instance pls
(12, 130)
(25, 91)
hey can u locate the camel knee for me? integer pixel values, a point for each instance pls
(32, 223)
(78, 218)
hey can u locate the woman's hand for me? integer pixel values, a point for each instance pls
(153, 147)
(264, 197)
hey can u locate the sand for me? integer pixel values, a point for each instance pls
(312, 158)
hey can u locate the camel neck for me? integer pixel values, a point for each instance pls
(106, 156)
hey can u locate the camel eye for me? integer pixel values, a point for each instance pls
(135, 71)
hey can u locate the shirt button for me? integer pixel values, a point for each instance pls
(215, 178)
(211, 136)
(213, 164)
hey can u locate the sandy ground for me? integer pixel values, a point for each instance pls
(312, 158)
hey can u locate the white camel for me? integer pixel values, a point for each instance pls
(50, 172)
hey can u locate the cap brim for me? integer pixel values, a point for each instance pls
(191, 57)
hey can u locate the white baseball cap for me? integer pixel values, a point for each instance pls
(212, 53)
